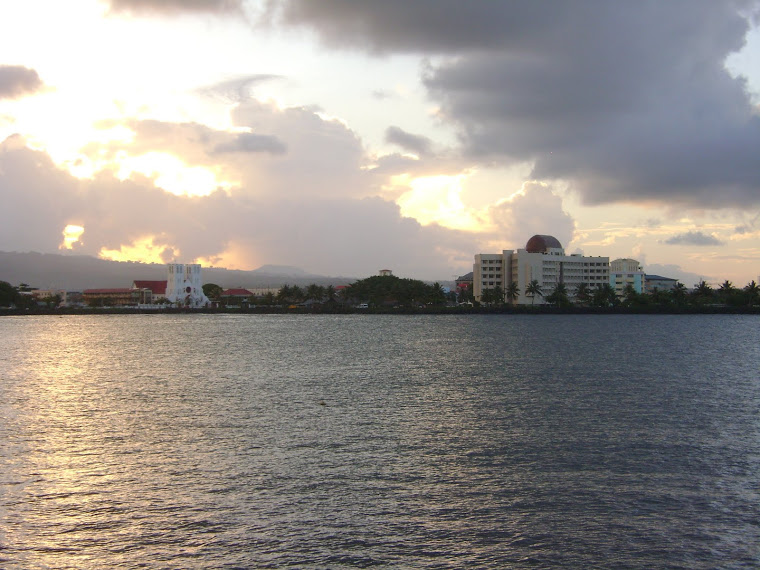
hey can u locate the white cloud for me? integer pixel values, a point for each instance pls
(534, 210)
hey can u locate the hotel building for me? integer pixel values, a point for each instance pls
(543, 259)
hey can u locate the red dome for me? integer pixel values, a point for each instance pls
(540, 244)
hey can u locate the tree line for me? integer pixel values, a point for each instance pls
(376, 291)
(604, 295)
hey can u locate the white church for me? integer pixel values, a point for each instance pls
(184, 286)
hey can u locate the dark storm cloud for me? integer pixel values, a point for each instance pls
(693, 238)
(414, 143)
(626, 101)
(249, 142)
(444, 26)
(17, 81)
(174, 6)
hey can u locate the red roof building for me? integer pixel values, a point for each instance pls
(158, 288)
(236, 293)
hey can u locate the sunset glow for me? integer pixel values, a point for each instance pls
(71, 235)
(171, 174)
(437, 200)
(426, 141)
(147, 249)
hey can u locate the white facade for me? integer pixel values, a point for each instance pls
(624, 272)
(546, 264)
(555, 267)
(487, 273)
(184, 286)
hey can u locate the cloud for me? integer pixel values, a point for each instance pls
(693, 238)
(17, 81)
(288, 152)
(748, 226)
(240, 88)
(417, 144)
(675, 272)
(444, 26)
(249, 142)
(166, 7)
(628, 102)
(536, 210)
(339, 235)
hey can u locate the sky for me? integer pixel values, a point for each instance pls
(348, 136)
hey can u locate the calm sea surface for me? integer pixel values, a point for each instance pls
(491, 441)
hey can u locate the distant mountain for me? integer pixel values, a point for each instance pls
(78, 272)
(282, 270)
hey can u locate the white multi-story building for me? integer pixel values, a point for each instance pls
(624, 272)
(542, 260)
(184, 285)
(487, 273)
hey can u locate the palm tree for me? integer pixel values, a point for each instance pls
(533, 289)
(437, 294)
(702, 293)
(726, 292)
(498, 295)
(465, 295)
(486, 297)
(346, 295)
(605, 295)
(751, 292)
(660, 297)
(679, 293)
(559, 297)
(315, 292)
(583, 294)
(284, 294)
(296, 294)
(630, 296)
(513, 292)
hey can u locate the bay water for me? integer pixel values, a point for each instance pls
(440, 441)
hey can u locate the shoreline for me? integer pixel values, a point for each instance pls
(521, 310)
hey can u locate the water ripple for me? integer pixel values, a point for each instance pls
(354, 441)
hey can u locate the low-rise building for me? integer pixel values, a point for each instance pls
(157, 288)
(44, 295)
(654, 283)
(117, 297)
(236, 296)
(464, 285)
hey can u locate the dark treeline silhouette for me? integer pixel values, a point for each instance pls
(679, 297)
